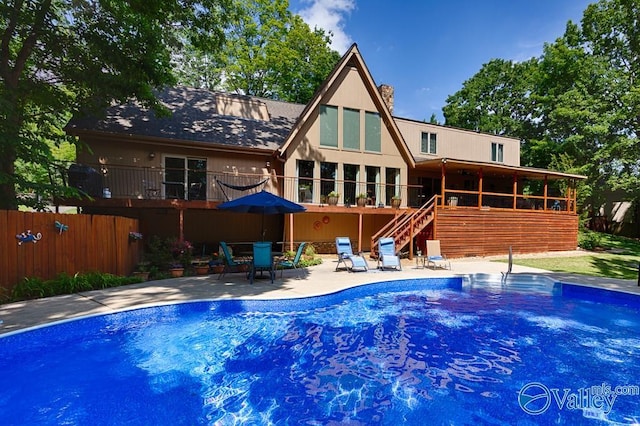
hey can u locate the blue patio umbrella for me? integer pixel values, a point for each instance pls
(262, 202)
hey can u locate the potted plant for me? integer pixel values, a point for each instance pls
(332, 198)
(396, 201)
(142, 270)
(201, 266)
(361, 200)
(176, 269)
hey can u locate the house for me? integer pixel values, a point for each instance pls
(393, 176)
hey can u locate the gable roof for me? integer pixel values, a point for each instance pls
(201, 116)
(351, 58)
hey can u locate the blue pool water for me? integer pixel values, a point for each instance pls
(403, 352)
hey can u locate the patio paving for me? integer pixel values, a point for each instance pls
(317, 280)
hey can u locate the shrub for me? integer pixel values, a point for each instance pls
(588, 240)
(35, 288)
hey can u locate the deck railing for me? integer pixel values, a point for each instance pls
(157, 183)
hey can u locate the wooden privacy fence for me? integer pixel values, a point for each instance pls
(76, 243)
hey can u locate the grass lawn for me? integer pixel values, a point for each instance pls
(614, 257)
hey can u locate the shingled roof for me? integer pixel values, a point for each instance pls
(200, 115)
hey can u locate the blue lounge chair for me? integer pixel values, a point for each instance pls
(387, 254)
(435, 259)
(345, 253)
(230, 265)
(291, 264)
(262, 260)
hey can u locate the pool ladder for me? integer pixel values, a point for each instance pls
(505, 275)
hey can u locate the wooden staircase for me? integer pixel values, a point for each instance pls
(405, 227)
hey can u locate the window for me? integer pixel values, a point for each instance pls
(328, 178)
(351, 174)
(392, 184)
(497, 152)
(328, 126)
(373, 183)
(429, 144)
(351, 128)
(185, 178)
(372, 134)
(305, 181)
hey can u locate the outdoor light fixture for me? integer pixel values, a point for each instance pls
(152, 155)
(267, 164)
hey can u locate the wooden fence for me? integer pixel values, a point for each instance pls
(86, 243)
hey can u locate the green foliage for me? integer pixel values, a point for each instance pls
(588, 240)
(163, 253)
(579, 100)
(34, 288)
(68, 57)
(310, 257)
(268, 53)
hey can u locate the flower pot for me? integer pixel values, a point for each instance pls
(202, 269)
(176, 272)
(395, 202)
(332, 201)
(218, 269)
(243, 267)
(143, 275)
(361, 202)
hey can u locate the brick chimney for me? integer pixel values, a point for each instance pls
(386, 92)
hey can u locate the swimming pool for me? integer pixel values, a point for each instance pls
(436, 351)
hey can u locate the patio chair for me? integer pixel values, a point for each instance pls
(262, 260)
(387, 254)
(230, 264)
(291, 264)
(343, 247)
(435, 259)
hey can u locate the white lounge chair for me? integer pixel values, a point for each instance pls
(434, 258)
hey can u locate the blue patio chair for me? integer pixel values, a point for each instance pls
(291, 264)
(387, 254)
(262, 260)
(230, 264)
(345, 252)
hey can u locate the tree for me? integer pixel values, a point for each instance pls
(67, 57)
(576, 108)
(269, 52)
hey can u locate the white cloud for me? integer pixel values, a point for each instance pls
(329, 15)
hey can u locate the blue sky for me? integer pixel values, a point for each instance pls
(426, 49)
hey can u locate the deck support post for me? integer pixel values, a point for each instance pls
(480, 188)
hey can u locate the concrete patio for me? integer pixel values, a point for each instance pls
(316, 280)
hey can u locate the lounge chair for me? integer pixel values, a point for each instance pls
(434, 258)
(262, 260)
(230, 264)
(387, 257)
(291, 264)
(345, 253)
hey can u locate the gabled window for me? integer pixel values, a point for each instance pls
(497, 152)
(329, 126)
(372, 134)
(429, 143)
(351, 129)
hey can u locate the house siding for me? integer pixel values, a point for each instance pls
(348, 92)
(457, 143)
